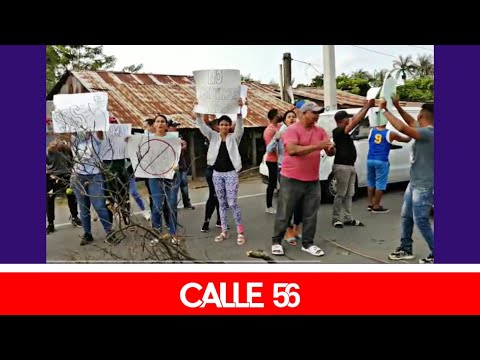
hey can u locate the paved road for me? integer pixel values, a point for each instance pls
(367, 245)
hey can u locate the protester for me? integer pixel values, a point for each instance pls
(223, 155)
(344, 165)
(163, 189)
(293, 231)
(59, 167)
(182, 168)
(300, 183)
(148, 130)
(88, 184)
(271, 159)
(418, 198)
(378, 167)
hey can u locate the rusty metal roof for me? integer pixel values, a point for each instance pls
(135, 97)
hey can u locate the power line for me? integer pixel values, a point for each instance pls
(419, 47)
(303, 62)
(378, 52)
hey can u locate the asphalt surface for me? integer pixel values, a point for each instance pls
(351, 245)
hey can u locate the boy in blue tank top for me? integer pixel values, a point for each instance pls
(378, 166)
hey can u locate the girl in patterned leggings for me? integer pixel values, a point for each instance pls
(224, 157)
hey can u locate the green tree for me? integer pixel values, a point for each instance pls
(62, 58)
(133, 68)
(423, 66)
(405, 66)
(247, 78)
(362, 74)
(354, 85)
(419, 89)
(379, 77)
(317, 81)
(53, 60)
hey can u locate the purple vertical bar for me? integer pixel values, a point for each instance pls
(22, 90)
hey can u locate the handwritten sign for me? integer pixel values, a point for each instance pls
(154, 156)
(388, 90)
(80, 112)
(217, 91)
(114, 145)
(119, 130)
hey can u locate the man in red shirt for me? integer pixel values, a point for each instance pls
(271, 159)
(300, 183)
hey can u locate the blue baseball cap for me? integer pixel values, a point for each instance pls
(299, 104)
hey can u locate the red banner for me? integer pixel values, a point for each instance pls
(240, 293)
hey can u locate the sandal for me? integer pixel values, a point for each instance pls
(221, 237)
(240, 239)
(277, 249)
(314, 250)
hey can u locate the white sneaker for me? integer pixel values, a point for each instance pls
(146, 214)
(271, 210)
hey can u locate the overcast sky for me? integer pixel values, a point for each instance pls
(260, 61)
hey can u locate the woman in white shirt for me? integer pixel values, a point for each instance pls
(223, 155)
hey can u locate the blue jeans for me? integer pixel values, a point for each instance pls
(161, 189)
(88, 190)
(133, 190)
(417, 204)
(183, 178)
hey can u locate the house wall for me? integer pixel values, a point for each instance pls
(72, 86)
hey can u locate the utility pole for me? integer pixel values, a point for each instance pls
(329, 78)
(281, 82)
(287, 76)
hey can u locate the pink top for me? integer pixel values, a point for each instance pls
(268, 135)
(306, 167)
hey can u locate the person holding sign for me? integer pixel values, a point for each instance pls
(378, 166)
(418, 199)
(344, 165)
(164, 189)
(223, 155)
(87, 182)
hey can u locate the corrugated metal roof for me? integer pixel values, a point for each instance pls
(343, 98)
(134, 97)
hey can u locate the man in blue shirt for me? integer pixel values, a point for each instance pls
(378, 167)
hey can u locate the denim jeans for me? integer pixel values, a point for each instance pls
(161, 189)
(134, 192)
(183, 177)
(88, 190)
(417, 204)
